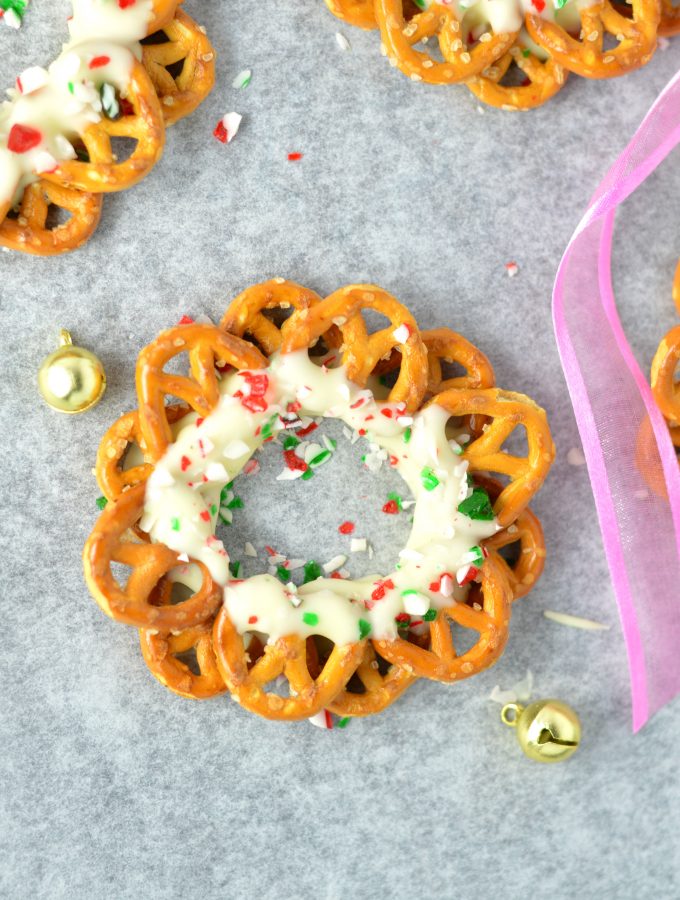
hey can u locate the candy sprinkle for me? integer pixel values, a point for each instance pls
(310, 618)
(477, 506)
(346, 528)
(243, 79)
(312, 571)
(429, 480)
(511, 267)
(343, 723)
(294, 157)
(101, 502)
(364, 629)
(227, 128)
(575, 621)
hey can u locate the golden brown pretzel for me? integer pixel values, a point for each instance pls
(664, 386)
(110, 543)
(207, 347)
(245, 315)
(586, 55)
(145, 125)
(362, 350)
(670, 19)
(440, 661)
(160, 652)
(162, 13)
(30, 232)
(248, 680)
(544, 80)
(125, 432)
(527, 532)
(505, 411)
(186, 43)
(379, 691)
(356, 12)
(460, 61)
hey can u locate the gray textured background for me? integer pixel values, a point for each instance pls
(112, 786)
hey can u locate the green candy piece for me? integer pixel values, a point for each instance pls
(235, 568)
(101, 502)
(290, 442)
(430, 615)
(477, 506)
(364, 629)
(343, 723)
(428, 479)
(283, 573)
(310, 618)
(312, 571)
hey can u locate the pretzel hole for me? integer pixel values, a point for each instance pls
(190, 660)
(375, 320)
(57, 217)
(464, 639)
(122, 148)
(282, 514)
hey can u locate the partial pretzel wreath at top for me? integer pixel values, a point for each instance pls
(353, 678)
(61, 209)
(501, 68)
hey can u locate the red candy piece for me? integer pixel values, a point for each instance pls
(98, 61)
(391, 508)
(254, 404)
(23, 138)
(381, 590)
(294, 157)
(294, 462)
(205, 515)
(471, 575)
(301, 432)
(125, 4)
(186, 320)
(220, 132)
(252, 620)
(346, 528)
(539, 4)
(185, 463)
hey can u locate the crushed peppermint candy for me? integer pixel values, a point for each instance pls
(243, 79)
(512, 269)
(342, 41)
(227, 128)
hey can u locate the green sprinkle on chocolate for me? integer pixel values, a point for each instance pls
(310, 618)
(428, 479)
(430, 615)
(364, 629)
(477, 506)
(397, 499)
(407, 434)
(174, 523)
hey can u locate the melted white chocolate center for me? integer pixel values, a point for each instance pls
(182, 500)
(51, 108)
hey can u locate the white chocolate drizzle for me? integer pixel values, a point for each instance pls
(183, 495)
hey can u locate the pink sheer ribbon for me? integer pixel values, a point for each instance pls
(619, 424)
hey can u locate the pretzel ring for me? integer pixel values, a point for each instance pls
(545, 78)
(377, 691)
(29, 231)
(460, 62)
(587, 56)
(187, 44)
(355, 12)
(160, 652)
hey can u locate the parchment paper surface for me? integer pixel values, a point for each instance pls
(114, 787)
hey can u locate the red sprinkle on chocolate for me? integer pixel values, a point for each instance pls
(98, 62)
(185, 462)
(205, 515)
(387, 413)
(393, 460)
(471, 575)
(23, 138)
(125, 4)
(252, 620)
(346, 528)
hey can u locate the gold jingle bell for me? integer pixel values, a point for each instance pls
(548, 730)
(71, 379)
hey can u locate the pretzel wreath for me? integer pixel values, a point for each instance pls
(59, 210)
(503, 69)
(189, 638)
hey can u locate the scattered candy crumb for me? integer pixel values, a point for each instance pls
(574, 621)
(342, 41)
(512, 269)
(227, 128)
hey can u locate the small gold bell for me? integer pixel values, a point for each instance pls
(547, 730)
(71, 379)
